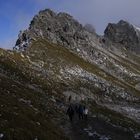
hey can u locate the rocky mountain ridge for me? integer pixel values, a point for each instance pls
(124, 33)
(62, 29)
(58, 57)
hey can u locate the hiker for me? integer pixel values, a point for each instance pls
(70, 112)
(69, 99)
(85, 113)
(76, 108)
(80, 112)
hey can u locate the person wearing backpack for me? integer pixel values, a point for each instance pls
(70, 113)
(80, 112)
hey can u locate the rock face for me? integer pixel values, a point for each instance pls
(22, 42)
(60, 28)
(125, 34)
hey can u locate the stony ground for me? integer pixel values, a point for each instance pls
(95, 128)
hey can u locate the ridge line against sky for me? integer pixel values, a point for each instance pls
(16, 15)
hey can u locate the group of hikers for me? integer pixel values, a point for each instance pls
(80, 110)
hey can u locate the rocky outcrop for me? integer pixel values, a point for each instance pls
(61, 29)
(125, 34)
(22, 42)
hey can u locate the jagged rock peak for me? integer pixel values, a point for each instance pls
(123, 33)
(59, 28)
(124, 23)
(49, 15)
(48, 12)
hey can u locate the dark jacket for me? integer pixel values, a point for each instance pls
(70, 111)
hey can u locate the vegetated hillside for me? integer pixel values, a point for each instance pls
(58, 57)
(25, 106)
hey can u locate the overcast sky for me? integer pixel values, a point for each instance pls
(16, 15)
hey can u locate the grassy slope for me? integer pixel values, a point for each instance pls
(60, 53)
(21, 116)
(19, 119)
(21, 113)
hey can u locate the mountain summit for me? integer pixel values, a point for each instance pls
(62, 28)
(59, 28)
(125, 34)
(58, 62)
